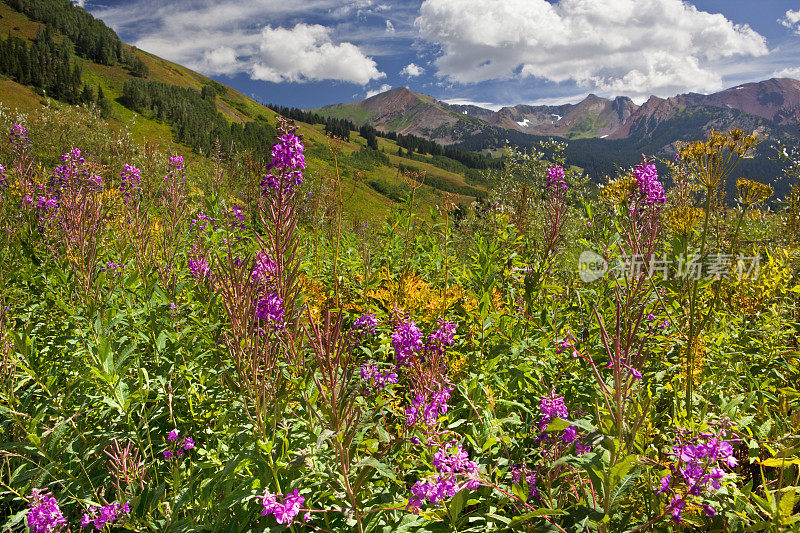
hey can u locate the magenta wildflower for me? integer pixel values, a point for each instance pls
(365, 324)
(264, 269)
(676, 507)
(407, 341)
(130, 182)
(442, 338)
(288, 161)
(108, 514)
(555, 178)
(188, 444)
(198, 267)
(175, 163)
(428, 407)
(375, 379)
(72, 170)
(285, 511)
(455, 472)
(20, 138)
(167, 455)
(650, 189)
(697, 468)
(552, 406)
(44, 515)
(269, 309)
(173, 434)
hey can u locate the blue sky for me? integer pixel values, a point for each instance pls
(310, 53)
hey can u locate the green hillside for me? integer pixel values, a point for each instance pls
(374, 181)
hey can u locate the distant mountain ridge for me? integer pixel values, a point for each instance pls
(402, 111)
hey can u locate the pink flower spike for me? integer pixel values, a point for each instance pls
(173, 435)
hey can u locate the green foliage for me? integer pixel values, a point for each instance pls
(93, 39)
(42, 64)
(194, 118)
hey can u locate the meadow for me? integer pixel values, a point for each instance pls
(200, 345)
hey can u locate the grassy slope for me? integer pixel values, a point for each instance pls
(359, 198)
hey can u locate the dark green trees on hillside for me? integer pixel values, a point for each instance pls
(43, 64)
(194, 117)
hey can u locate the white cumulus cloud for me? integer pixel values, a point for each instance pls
(306, 52)
(789, 72)
(389, 26)
(636, 47)
(792, 20)
(382, 89)
(220, 60)
(412, 70)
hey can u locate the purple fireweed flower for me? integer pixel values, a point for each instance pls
(376, 380)
(173, 434)
(20, 138)
(530, 478)
(555, 178)
(167, 455)
(552, 406)
(44, 515)
(455, 472)
(175, 163)
(269, 309)
(428, 407)
(288, 161)
(569, 435)
(407, 341)
(442, 338)
(650, 189)
(198, 267)
(188, 444)
(676, 507)
(665, 481)
(264, 269)
(73, 170)
(108, 514)
(365, 324)
(3, 184)
(236, 215)
(130, 182)
(697, 468)
(285, 511)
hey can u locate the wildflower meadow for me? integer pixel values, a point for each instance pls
(186, 346)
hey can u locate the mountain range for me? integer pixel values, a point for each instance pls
(603, 134)
(775, 101)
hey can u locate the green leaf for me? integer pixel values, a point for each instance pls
(538, 513)
(557, 424)
(787, 502)
(780, 462)
(382, 468)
